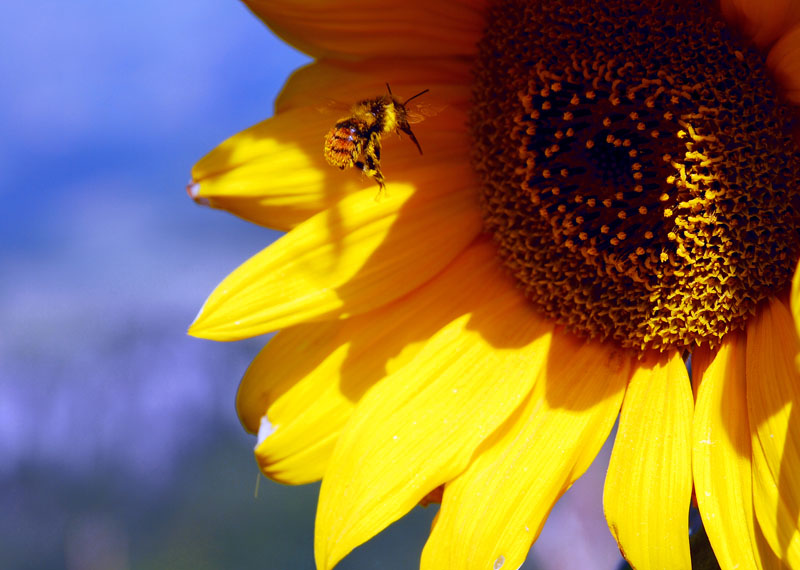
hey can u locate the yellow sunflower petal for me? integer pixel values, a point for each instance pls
(332, 86)
(492, 513)
(309, 378)
(795, 306)
(321, 92)
(293, 446)
(649, 483)
(419, 427)
(345, 261)
(773, 389)
(784, 61)
(721, 455)
(762, 21)
(246, 192)
(274, 173)
(351, 29)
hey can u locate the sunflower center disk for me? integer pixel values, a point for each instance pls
(639, 173)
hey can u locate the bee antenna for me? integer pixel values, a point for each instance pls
(413, 96)
(390, 90)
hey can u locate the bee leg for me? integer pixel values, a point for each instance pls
(406, 128)
(369, 168)
(372, 163)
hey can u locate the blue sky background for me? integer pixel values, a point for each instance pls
(119, 442)
(110, 104)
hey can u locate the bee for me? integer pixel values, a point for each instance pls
(356, 140)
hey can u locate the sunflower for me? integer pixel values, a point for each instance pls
(607, 190)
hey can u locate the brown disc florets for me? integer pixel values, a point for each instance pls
(639, 174)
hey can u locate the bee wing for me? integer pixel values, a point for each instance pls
(332, 107)
(421, 111)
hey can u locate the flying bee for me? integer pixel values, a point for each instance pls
(356, 140)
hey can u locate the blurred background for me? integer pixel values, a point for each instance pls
(119, 444)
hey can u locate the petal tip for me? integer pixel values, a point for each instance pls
(195, 331)
(193, 190)
(265, 429)
(196, 328)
